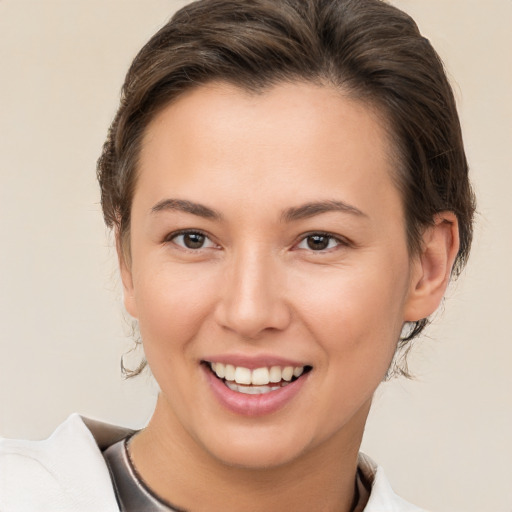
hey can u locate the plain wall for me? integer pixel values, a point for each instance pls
(444, 438)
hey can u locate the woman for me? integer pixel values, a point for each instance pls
(289, 192)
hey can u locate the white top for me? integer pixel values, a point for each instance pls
(67, 472)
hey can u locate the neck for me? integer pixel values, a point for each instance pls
(183, 473)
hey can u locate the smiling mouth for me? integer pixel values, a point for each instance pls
(257, 381)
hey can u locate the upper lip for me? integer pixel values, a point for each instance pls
(252, 362)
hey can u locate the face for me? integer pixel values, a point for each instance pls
(269, 268)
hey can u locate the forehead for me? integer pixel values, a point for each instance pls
(301, 139)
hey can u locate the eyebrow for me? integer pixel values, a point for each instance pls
(316, 208)
(294, 213)
(182, 205)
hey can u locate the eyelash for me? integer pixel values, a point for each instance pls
(172, 238)
(303, 239)
(340, 242)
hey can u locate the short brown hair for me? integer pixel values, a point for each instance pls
(371, 50)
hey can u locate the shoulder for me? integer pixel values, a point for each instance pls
(382, 497)
(64, 472)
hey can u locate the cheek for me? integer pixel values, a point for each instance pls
(355, 318)
(355, 312)
(172, 303)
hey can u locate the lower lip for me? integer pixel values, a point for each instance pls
(253, 405)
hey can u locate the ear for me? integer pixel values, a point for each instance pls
(433, 266)
(125, 269)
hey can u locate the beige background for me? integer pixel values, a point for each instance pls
(444, 439)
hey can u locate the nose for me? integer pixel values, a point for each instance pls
(252, 296)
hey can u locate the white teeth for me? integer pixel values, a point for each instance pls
(298, 371)
(219, 369)
(275, 374)
(258, 377)
(242, 375)
(252, 390)
(229, 371)
(287, 373)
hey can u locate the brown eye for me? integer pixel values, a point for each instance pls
(192, 240)
(318, 242)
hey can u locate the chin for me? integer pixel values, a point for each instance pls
(257, 450)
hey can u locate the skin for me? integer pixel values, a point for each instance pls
(257, 288)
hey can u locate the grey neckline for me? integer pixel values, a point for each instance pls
(132, 494)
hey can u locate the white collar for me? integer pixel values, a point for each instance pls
(65, 472)
(382, 497)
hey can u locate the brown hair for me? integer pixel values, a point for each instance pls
(368, 48)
